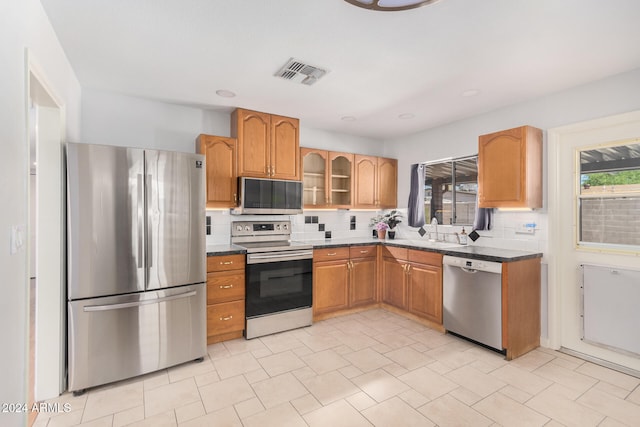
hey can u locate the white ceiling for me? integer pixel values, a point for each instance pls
(381, 64)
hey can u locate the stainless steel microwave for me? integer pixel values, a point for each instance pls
(269, 196)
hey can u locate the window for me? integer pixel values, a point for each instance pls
(609, 196)
(451, 187)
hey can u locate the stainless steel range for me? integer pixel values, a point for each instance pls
(278, 277)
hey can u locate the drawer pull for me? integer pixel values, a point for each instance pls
(226, 262)
(332, 254)
(226, 286)
(364, 252)
(224, 319)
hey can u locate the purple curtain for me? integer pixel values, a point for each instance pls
(415, 214)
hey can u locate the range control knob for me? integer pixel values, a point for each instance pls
(285, 226)
(239, 227)
(247, 228)
(277, 226)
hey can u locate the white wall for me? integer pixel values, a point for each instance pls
(24, 25)
(113, 119)
(614, 95)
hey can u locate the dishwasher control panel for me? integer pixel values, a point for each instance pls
(473, 264)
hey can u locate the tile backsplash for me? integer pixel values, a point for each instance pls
(312, 225)
(507, 231)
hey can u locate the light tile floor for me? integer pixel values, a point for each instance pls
(371, 368)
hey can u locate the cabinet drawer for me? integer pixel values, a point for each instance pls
(225, 286)
(225, 317)
(424, 257)
(362, 251)
(394, 252)
(225, 262)
(330, 254)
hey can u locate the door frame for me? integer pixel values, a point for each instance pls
(562, 261)
(50, 333)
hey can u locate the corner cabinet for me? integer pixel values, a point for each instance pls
(510, 169)
(222, 182)
(268, 145)
(225, 297)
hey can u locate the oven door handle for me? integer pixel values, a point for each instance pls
(285, 254)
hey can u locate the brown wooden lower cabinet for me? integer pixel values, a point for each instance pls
(344, 278)
(225, 297)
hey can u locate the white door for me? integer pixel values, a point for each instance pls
(565, 254)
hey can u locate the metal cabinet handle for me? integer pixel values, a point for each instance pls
(224, 319)
(226, 286)
(364, 252)
(331, 254)
(226, 262)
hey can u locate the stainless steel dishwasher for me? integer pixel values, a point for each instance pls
(472, 299)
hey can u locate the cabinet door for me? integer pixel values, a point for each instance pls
(387, 183)
(253, 132)
(340, 179)
(363, 281)
(510, 168)
(425, 291)
(222, 182)
(285, 148)
(330, 286)
(314, 175)
(393, 279)
(365, 170)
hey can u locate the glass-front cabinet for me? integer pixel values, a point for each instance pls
(328, 178)
(314, 167)
(341, 179)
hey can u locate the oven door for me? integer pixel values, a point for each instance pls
(277, 286)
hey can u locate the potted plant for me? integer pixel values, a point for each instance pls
(385, 222)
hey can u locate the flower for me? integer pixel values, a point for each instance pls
(390, 219)
(382, 226)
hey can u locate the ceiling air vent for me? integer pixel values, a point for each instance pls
(299, 72)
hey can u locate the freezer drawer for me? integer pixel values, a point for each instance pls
(113, 338)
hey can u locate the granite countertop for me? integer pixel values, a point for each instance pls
(473, 252)
(213, 250)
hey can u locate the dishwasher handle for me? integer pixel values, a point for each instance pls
(469, 270)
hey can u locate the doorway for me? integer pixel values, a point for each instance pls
(567, 249)
(45, 239)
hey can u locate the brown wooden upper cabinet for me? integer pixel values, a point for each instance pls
(510, 169)
(344, 180)
(222, 182)
(328, 178)
(376, 182)
(268, 145)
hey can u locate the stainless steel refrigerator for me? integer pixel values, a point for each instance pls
(136, 262)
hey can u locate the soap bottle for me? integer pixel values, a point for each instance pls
(463, 237)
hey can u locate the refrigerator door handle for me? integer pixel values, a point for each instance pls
(150, 222)
(107, 307)
(140, 219)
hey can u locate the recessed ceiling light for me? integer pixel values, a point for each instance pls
(225, 93)
(390, 5)
(406, 116)
(470, 92)
(348, 119)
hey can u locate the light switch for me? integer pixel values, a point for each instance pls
(17, 238)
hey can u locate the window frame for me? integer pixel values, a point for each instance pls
(453, 183)
(579, 197)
